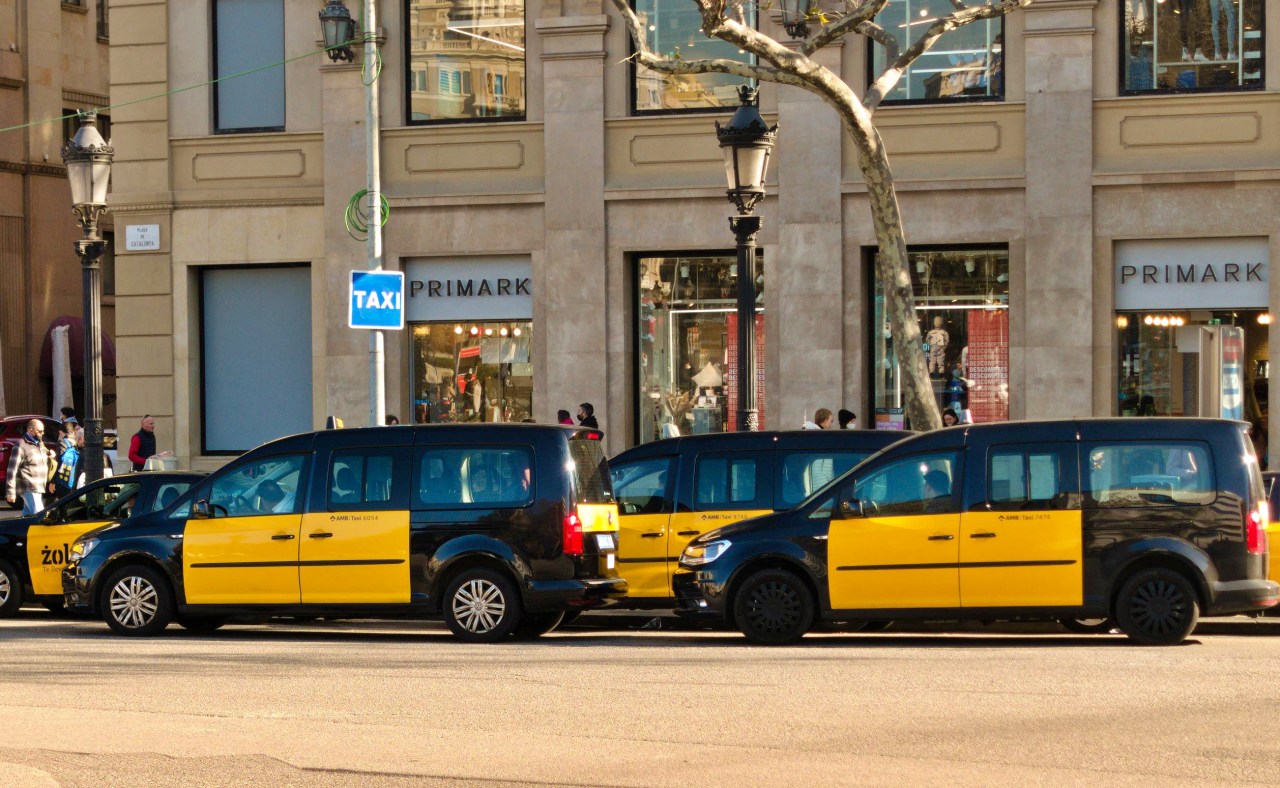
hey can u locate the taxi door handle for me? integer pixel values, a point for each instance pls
(651, 535)
(941, 538)
(282, 537)
(687, 533)
(982, 536)
(320, 535)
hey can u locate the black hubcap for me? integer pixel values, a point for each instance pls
(1159, 607)
(774, 607)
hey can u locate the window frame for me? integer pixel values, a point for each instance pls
(213, 68)
(869, 63)
(398, 500)
(1066, 456)
(764, 474)
(1122, 68)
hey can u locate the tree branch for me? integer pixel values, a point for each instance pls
(664, 65)
(863, 13)
(886, 81)
(882, 37)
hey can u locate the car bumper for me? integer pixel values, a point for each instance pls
(1243, 596)
(77, 584)
(698, 594)
(577, 594)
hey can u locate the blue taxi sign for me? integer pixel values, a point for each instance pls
(377, 300)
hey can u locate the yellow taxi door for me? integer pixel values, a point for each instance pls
(246, 550)
(894, 542)
(643, 493)
(49, 543)
(1023, 547)
(354, 545)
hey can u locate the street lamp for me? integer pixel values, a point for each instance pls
(795, 16)
(746, 142)
(88, 160)
(338, 29)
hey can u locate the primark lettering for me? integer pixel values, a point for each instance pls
(462, 288)
(1193, 273)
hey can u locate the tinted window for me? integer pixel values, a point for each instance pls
(267, 486)
(590, 471)
(167, 494)
(1025, 479)
(802, 473)
(108, 502)
(1154, 473)
(367, 479)
(489, 477)
(641, 487)
(723, 481)
(913, 485)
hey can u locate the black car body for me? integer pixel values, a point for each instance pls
(500, 528)
(1147, 521)
(34, 549)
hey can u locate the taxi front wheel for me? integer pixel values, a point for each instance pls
(137, 601)
(1157, 607)
(773, 607)
(482, 606)
(10, 590)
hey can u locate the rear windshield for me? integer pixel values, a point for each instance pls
(590, 471)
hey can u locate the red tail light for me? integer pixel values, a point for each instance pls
(572, 534)
(1257, 528)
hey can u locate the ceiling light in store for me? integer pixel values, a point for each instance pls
(488, 332)
(475, 331)
(1264, 319)
(503, 331)
(1122, 321)
(457, 329)
(516, 332)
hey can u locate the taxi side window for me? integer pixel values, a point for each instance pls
(474, 477)
(368, 479)
(923, 484)
(802, 473)
(723, 481)
(641, 487)
(1148, 473)
(1025, 479)
(166, 495)
(108, 502)
(265, 487)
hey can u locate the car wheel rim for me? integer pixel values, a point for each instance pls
(774, 607)
(479, 606)
(1159, 607)
(5, 588)
(134, 602)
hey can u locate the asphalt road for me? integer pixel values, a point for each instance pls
(360, 704)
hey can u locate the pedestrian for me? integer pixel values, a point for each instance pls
(587, 416)
(848, 419)
(64, 478)
(143, 444)
(392, 420)
(821, 420)
(106, 461)
(563, 417)
(949, 418)
(29, 469)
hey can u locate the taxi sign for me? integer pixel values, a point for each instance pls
(377, 300)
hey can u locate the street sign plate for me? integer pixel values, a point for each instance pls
(377, 300)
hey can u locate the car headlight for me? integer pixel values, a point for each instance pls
(82, 548)
(698, 554)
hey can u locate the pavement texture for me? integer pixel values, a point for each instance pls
(603, 703)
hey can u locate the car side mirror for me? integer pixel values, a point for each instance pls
(851, 508)
(50, 517)
(200, 510)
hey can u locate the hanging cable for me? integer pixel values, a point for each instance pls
(356, 217)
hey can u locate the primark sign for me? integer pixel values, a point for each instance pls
(1192, 273)
(469, 288)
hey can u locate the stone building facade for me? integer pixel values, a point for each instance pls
(1030, 186)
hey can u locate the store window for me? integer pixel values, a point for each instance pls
(966, 63)
(687, 348)
(248, 34)
(1181, 45)
(465, 60)
(962, 303)
(674, 29)
(477, 371)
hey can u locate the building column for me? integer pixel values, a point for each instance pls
(1055, 378)
(805, 349)
(569, 276)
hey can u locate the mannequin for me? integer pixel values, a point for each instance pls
(937, 340)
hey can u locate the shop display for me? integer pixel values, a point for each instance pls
(472, 372)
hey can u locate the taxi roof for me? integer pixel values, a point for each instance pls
(776, 439)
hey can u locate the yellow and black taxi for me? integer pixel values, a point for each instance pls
(1146, 521)
(500, 528)
(670, 491)
(34, 549)
(1271, 483)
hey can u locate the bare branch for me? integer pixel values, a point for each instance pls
(863, 13)
(886, 81)
(959, 6)
(663, 65)
(882, 37)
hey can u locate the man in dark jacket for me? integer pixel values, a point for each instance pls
(143, 444)
(29, 469)
(587, 416)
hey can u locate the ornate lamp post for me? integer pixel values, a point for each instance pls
(88, 160)
(746, 143)
(339, 30)
(795, 16)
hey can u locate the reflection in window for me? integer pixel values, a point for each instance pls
(687, 329)
(472, 372)
(1149, 474)
(912, 485)
(475, 477)
(1023, 477)
(641, 487)
(964, 63)
(466, 60)
(265, 487)
(962, 300)
(360, 478)
(674, 30)
(802, 473)
(1192, 44)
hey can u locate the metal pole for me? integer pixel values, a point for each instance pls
(377, 379)
(90, 251)
(744, 229)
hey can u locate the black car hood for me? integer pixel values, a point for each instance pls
(753, 525)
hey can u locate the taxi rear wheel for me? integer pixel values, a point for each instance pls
(10, 590)
(535, 625)
(1157, 607)
(137, 601)
(482, 606)
(773, 607)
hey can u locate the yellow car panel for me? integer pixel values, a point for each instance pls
(598, 518)
(894, 562)
(1021, 559)
(241, 560)
(642, 555)
(47, 549)
(353, 557)
(687, 526)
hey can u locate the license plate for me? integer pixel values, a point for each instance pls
(605, 542)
